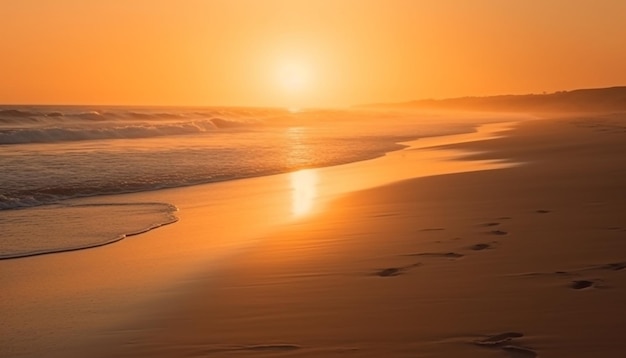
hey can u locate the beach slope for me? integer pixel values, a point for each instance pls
(525, 261)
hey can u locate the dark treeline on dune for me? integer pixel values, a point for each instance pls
(581, 100)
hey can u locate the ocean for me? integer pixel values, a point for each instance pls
(50, 155)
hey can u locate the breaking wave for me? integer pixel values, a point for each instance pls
(21, 126)
(60, 134)
(166, 148)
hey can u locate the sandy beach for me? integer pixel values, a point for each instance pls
(367, 179)
(494, 244)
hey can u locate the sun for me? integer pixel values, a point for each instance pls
(294, 77)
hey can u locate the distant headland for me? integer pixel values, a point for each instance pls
(580, 100)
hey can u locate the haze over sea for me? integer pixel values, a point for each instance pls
(49, 154)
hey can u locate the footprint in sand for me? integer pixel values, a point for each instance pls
(491, 224)
(542, 211)
(395, 271)
(480, 247)
(581, 284)
(578, 284)
(392, 271)
(498, 232)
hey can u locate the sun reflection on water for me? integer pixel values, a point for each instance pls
(300, 152)
(304, 191)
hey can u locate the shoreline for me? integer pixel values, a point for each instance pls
(87, 287)
(352, 261)
(36, 193)
(171, 219)
(113, 200)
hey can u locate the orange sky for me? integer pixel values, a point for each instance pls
(303, 52)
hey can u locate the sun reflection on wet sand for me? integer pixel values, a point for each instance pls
(304, 191)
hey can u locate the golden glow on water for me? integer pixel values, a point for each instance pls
(304, 191)
(300, 152)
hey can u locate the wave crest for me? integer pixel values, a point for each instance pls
(118, 131)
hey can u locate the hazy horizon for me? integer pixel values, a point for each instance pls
(303, 53)
(286, 107)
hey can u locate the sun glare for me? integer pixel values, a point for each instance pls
(294, 77)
